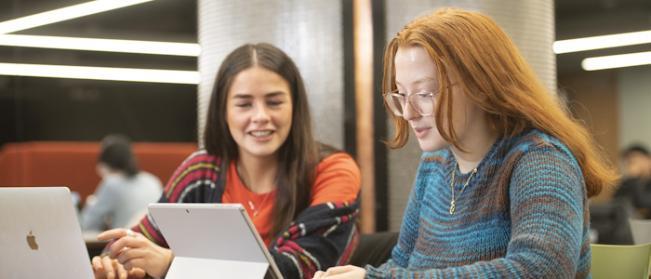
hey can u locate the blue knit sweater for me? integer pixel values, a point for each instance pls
(523, 215)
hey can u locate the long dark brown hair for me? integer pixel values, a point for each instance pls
(297, 156)
(498, 80)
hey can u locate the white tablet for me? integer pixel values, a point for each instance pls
(212, 241)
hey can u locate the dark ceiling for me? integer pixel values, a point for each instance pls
(26, 103)
(34, 108)
(161, 20)
(164, 20)
(576, 7)
(584, 18)
(176, 21)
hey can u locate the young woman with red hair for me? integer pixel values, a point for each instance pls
(503, 185)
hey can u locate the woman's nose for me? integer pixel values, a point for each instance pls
(408, 112)
(261, 114)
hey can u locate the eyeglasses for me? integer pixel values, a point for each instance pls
(422, 102)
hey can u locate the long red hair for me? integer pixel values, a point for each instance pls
(498, 80)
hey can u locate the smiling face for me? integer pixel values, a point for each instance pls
(415, 72)
(259, 112)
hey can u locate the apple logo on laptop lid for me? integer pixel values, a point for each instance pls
(31, 241)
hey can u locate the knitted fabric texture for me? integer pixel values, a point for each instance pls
(523, 215)
(321, 236)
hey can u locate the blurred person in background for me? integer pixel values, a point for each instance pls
(635, 186)
(124, 192)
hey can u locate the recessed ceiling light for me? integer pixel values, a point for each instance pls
(100, 73)
(109, 45)
(62, 14)
(605, 41)
(616, 61)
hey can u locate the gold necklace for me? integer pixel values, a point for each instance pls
(254, 209)
(453, 205)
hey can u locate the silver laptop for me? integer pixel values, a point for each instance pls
(40, 236)
(212, 241)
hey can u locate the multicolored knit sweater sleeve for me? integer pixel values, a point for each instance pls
(523, 215)
(321, 236)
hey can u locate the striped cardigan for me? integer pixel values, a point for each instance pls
(321, 236)
(523, 215)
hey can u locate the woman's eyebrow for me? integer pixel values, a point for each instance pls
(274, 94)
(242, 96)
(419, 81)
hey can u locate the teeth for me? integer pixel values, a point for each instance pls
(260, 133)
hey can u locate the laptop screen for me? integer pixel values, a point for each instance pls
(41, 237)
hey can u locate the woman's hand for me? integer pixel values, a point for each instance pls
(107, 268)
(133, 251)
(341, 272)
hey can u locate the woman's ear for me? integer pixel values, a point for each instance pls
(102, 169)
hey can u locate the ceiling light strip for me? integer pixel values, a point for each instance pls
(599, 42)
(108, 45)
(65, 13)
(616, 61)
(100, 73)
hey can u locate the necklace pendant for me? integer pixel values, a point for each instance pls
(253, 209)
(453, 207)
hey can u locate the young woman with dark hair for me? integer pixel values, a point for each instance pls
(260, 152)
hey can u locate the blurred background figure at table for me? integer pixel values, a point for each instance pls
(635, 186)
(124, 192)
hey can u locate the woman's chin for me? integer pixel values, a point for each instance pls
(429, 146)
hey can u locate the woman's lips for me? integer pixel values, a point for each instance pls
(261, 135)
(422, 131)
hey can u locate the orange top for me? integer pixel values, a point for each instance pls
(338, 179)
